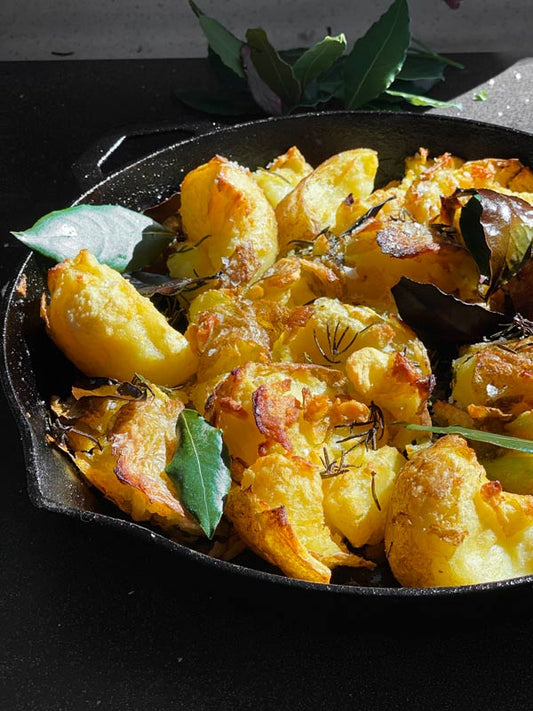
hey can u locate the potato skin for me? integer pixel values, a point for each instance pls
(107, 329)
(448, 524)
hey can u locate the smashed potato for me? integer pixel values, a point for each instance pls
(224, 214)
(278, 510)
(311, 206)
(107, 329)
(448, 524)
(125, 450)
(291, 347)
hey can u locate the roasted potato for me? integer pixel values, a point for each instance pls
(447, 524)
(278, 511)
(282, 175)
(384, 251)
(127, 447)
(311, 206)
(497, 375)
(492, 390)
(356, 500)
(283, 407)
(107, 329)
(294, 349)
(225, 215)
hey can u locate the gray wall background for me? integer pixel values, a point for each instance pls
(128, 29)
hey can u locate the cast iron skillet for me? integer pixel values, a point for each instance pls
(33, 369)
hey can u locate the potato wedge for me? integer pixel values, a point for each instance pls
(107, 329)
(277, 510)
(448, 524)
(311, 206)
(129, 445)
(224, 211)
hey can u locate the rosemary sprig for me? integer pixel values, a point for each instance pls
(373, 488)
(368, 215)
(375, 427)
(332, 467)
(335, 346)
(519, 327)
(182, 249)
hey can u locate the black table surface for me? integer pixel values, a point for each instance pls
(94, 619)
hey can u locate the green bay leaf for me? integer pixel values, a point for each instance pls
(274, 71)
(377, 57)
(121, 238)
(199, 470)
(319, 58)
(221, 40)
(418, 100)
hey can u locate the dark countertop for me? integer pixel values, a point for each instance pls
(94, 619)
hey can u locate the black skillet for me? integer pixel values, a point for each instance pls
(33, 369)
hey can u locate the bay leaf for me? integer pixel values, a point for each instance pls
(377, 57)
(199, 470)
(498, 231)
(221, 40)
(121, 238)
(319, 58)
(263, 95)
(274, 71)
(441, 319)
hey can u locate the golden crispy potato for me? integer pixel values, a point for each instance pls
(376, 267)
(357, 499)
(334, 330)
(311, 206)
(447, 524)
(282, 407)
(224, 213)
(427, 180)
(497, 374)
(493, 391)
(129, 445)
(277, 510)
(282, 175)
(107, 329)
(391, 380)
(224, 333)
(293, 281)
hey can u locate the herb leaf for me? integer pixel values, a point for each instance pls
(273, 70)
(262, 94)
(522, 445)
(377, 57)
(121, 238)
(221, 40)
(199, 471)
(417, 68)
(442, 319)
(319, 58)
(498, 230)
(417, 100)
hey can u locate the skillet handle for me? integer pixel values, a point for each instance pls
(88, 169)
